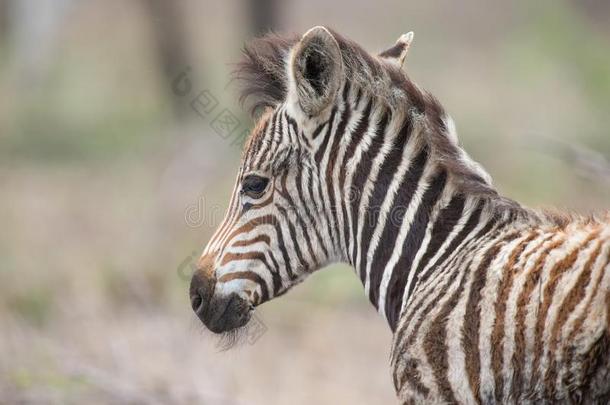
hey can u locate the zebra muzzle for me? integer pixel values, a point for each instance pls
(218, 313)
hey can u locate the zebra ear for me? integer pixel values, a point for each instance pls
(397, 53)
(316, 68)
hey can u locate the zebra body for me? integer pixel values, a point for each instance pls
(519, 315)
(350, 162)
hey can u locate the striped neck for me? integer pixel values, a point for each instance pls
(403, 213)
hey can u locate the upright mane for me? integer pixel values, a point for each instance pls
(263, 75)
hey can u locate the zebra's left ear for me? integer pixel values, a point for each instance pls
(397, 53)
(316, 67)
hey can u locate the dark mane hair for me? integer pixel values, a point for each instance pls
(262, 74)
(262, 71)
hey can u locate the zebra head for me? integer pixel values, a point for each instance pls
(281, 225)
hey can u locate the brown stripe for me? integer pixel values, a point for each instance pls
(576, 295)
(247, 275)
(569, 349)
(249, 226)
(412, 376)
(233, 257)
(223, 228)
(264, 203)
(260, 238)
(450, 264)
(441, 288)
(260, 257)
(408, 342)
(531, 282)
(472, 316)
(435, 342)
(497, 335)
(555, 275)
(536, 249)
(228, 220)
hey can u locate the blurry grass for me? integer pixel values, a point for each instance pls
(49, 139)
(34, 305)
(26, 378)
(78, 111)
(124, 289)
(564, 33)
(334, 284)
(558, 37)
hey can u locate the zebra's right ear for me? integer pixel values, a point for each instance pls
(316, 67)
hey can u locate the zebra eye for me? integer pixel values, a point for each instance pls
(254, 186)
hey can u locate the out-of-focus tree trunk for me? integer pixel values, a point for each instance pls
(4, 21)
(596, 10)
(34, 27)
(167, 21)
(264, 16)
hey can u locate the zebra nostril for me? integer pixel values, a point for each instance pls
(197, 302)
(201, 291)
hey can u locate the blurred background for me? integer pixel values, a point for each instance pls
(120, 137)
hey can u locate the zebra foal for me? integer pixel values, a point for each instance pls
(489, 302)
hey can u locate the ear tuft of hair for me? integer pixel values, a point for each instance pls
(262, 73)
